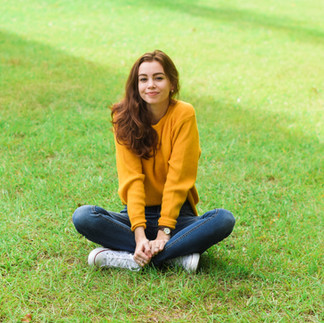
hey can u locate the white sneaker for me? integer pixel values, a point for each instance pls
(104, 257)
(189, 262)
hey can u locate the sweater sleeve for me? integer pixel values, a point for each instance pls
(131, 184)
(182, 172)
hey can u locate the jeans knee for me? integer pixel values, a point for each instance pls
(80, 216)
(228, 219)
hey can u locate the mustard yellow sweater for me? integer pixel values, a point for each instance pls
(167, 179)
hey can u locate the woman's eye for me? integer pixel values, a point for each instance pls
(143, 79)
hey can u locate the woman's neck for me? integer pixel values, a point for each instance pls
(158, 111)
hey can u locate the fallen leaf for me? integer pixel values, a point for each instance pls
(27, 318)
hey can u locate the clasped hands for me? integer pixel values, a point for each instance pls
(146, 249)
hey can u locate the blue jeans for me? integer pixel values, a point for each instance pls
(192, 234)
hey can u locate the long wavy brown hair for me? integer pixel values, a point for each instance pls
(131, 118)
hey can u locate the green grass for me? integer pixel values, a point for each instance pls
(254, 73)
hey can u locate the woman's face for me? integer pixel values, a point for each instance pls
(153, 85)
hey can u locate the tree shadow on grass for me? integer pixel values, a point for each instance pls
(246, 18)
(212, 265)
(41, 75)
(34, 75)
(38, 77)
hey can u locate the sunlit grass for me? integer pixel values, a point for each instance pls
(255, 76)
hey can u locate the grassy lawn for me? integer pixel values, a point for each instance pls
(253, 71)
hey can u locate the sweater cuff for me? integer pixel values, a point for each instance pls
(134, 226)
(167, 222)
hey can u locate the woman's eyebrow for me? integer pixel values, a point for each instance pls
(142, 74)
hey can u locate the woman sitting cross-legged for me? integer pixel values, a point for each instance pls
(157, 153)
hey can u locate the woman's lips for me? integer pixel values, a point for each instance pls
(152, 93)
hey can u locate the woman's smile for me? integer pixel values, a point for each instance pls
(152, 93)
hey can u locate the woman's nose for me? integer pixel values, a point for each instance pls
(151, 83)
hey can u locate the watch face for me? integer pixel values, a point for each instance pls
(167, 230)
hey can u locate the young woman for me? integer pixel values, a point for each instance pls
(157, 152)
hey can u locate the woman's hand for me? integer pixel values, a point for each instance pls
(142, 254)
(158, 244)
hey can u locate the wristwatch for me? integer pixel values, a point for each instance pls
(166, 230)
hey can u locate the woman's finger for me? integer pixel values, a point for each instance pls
(157, 246)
